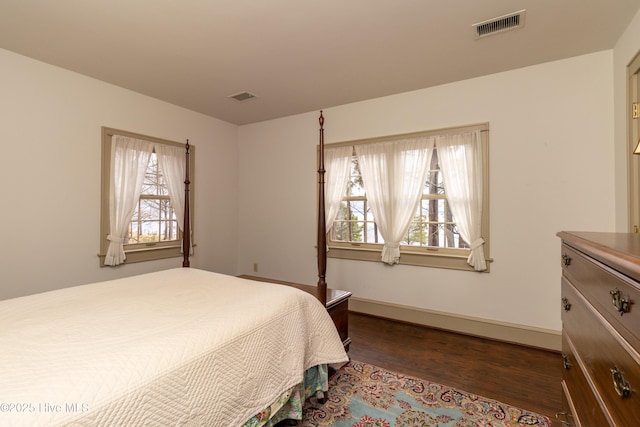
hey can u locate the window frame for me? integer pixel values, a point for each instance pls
(633, 135)
(448, 258)
(137, 252)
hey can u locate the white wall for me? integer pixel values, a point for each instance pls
(552, 169)
(625, 50)
(50, 124)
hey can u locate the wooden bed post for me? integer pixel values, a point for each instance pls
(322, 226)
(186, 228)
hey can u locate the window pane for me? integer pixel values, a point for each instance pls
(168, 230)
(166, 211)
(149, 231)
(417, 233)
(372, 234)
(434, 185)
(149, 185)
(355, 186)
(339, 230)
(356, 220)
(149, 209)
(357, 209)
(153, 231)
(154, 183)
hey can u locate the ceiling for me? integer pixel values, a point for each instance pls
(298, 55)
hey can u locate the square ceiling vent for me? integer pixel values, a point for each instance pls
(243, 96)
(509, 22)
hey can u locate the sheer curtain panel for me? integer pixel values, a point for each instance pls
(129, 161)
(337, 164)
(172, 165)
(394, 174)
(460, 158)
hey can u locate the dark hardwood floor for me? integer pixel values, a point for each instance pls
(517, 375)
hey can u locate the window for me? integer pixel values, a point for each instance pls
(431, 227)
(433, 237)
(154, 219)
(153, 230)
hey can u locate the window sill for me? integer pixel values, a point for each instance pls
(433, 259)
(148, 254)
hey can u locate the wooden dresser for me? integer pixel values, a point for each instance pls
(337, 305)
(601, 328)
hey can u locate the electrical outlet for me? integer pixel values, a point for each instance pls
(255, 267)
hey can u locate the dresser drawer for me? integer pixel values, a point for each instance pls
(609, 364)
(578, 398)
(600, 285)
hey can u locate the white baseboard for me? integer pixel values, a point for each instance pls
(503, 331)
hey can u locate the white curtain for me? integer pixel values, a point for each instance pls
(337, 165)
(172, 164)
(460, 158)
(394, 174)
(129, 161)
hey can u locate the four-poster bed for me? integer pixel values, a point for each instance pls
(186, 227)
(176, 347)
(322, 224)
(336, 301)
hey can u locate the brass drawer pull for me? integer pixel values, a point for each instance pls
(620, 302)
(565, 304)
(620, 384)
(566, 260)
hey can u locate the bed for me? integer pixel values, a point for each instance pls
(180, 347)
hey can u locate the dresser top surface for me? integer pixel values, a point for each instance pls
(620, 251)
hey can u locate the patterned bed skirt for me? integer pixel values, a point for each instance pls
(289, 404)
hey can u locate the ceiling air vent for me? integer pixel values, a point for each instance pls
(501, 24)
(243, 96)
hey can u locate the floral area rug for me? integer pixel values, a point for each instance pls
(362, 395)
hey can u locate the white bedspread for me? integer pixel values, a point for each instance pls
(172, 348)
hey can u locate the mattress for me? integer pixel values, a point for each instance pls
(181, 347)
